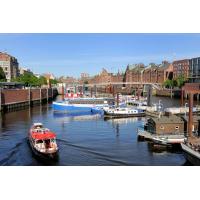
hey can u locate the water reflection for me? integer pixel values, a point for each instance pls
(124, 120)
(67, 117)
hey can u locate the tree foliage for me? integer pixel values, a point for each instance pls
(30, 80)
(177, 82)
(2, 75)
(53, 81)
(180, 81)
(168, 83)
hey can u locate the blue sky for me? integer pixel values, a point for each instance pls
(72, 54)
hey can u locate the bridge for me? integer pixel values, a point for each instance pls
(154, 85)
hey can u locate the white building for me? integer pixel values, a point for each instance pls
(9, 64)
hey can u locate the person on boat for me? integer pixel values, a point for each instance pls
(47, 143)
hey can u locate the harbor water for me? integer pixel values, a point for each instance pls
(83, 140)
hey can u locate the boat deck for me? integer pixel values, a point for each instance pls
(194, 140)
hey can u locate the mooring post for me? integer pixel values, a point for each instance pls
(40, 95)
(91, 92)
(29, 94)
(149, 95)
(83, 89)
(182, 96)
(171, 92)
(138, 95)
(63, 92)
(47, 95)
(190, 120)
(117, 99)
(95, 90)
(113, 91)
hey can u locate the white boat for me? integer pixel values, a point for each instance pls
(169, 139)
(43, 142)
(123, 112)
(191, 153)
(141, 105)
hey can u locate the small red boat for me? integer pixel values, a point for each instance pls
(43, 142)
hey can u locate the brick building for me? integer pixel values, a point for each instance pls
(106, 77)
(154, 74)
(9, 65)
(165, 71)
(147, 74)
(68, 80)
(165, 125)
(181, 68)
(134, 73)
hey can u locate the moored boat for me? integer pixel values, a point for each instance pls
(169, 139)
(191, 153)
(43, 142)
(81, 104)
(123, 112)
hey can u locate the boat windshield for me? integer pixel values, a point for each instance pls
(41, 130)
(47, 143)
(39, 141)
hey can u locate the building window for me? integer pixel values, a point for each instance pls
(177, 127)
(162, 127)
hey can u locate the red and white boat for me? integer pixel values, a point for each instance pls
(43, 142)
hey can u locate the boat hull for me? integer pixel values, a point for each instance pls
(113, 115)
(168, 141)
(69, 108)
(192, 156)
(43, 156)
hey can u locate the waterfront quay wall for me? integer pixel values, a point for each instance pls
(16, 98)
(168, 93)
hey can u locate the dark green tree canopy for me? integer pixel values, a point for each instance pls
(2, 75)
(30, 80)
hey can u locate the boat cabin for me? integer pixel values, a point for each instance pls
(37, 126)
(165, 125)
(43, 140)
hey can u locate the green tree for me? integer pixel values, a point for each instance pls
(2, 75)
(29, 80)
(168, 83)
(53, 81)
(180, 80)
(42, 81)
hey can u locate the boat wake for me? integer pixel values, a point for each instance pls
(12, 152)
(100, 156)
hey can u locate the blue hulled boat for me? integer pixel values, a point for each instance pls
(81, 105)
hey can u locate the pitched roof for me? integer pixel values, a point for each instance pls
(167, 119)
